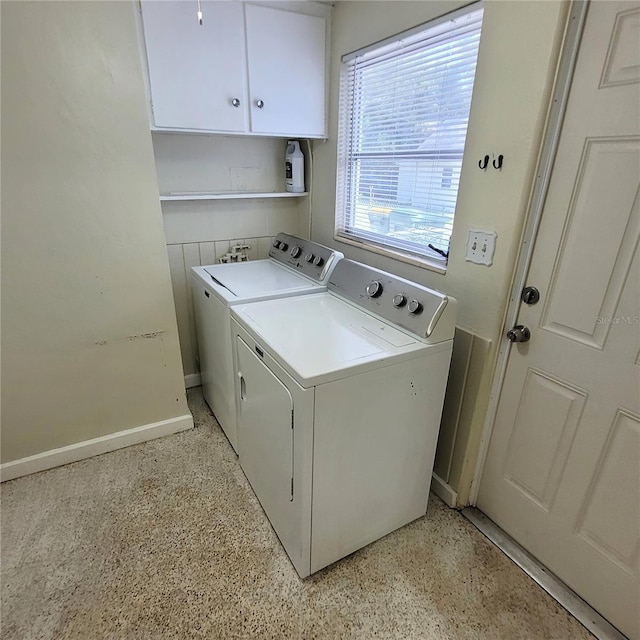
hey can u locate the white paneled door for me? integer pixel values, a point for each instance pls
(562, 474)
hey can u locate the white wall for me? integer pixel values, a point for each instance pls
(516, 65)
(225, 164)
(89, 337)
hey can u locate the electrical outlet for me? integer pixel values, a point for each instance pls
(481, 246)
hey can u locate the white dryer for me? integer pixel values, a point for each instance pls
(294, 267)
(339, 400)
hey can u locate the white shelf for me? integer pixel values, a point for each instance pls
(232, 195)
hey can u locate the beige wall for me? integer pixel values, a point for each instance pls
(89, 338)
(518, 53)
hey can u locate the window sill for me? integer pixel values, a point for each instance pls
(432, 264)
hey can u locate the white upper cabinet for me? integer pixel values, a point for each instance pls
(197, 73)
(247, 69)
(286, 62)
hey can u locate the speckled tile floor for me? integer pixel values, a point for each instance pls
(166, 540)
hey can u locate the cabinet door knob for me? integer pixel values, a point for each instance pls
(259, 104)
(235, 102)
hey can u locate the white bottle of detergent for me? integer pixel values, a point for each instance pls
(294, 167)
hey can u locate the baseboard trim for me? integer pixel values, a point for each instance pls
(444, 491)
(95, 447)
(192, 380)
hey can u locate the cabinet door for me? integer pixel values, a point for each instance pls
(196, 71)
(286, 61)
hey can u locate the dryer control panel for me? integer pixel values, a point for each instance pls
(310, 258)
(407, 304)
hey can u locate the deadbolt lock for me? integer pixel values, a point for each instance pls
(530, 295)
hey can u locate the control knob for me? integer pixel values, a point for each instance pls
(283, 246)
(399, 300)
(276, 244)
(374, 289)
(309, 258)
(414, 307)
(296, 251)
(318, 261)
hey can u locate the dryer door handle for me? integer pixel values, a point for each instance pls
(243, 386)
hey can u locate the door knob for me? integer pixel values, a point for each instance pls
(235, 102)
(259, 104)
(519, 333)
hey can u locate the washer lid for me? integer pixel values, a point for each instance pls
(254, 280)
(318, 338)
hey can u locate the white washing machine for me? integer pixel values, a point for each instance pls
(294, 267)
(339, 400)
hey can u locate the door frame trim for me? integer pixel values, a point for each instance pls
(559, 97)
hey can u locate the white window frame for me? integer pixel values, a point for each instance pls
(346, 197)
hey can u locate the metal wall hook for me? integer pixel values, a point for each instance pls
(499, 164)
(484, 162)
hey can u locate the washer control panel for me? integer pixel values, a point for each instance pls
(314, 260)
(402, 302)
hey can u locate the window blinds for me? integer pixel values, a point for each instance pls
(404, 107)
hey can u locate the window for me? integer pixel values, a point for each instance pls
(404, 109)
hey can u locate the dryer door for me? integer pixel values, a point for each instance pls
(265, 436)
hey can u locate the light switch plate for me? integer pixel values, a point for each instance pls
(481, 246)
